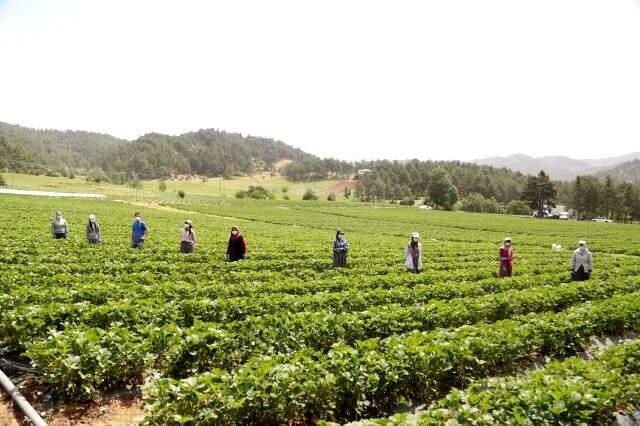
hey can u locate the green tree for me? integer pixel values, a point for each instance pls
(539, 191)
(182, 194)
(518, 207)
(162, 185)
(610, 197)
(347, 193)
(2, 182)
(441, 189)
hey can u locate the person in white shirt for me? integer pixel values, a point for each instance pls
(59, 227)
(413, 254)
(581, 262)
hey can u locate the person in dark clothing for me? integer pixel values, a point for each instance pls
(340, 250)
(93, 230)
(237, 247)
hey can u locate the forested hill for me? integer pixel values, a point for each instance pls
(209, 152)
(629, 171)
(396, 180)
(56, 148)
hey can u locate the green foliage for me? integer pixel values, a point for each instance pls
(441, 189)
(518, 207)
(97, 176)
(162, 185)
(347, 193)
(396, 180)
(255, 192)
(309, 195)
(2, 182)
(181, 193)
(476, 203)
(331, 197)
(277, 338)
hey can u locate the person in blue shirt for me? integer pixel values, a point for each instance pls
(139, 231)
(340, 250)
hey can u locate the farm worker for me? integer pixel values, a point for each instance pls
(413, 254)
(581, 263)
(139, 231)
(506, 258)
(237, 247)
(93, 230)
(187, 238)
(340, 250)
(59, 227)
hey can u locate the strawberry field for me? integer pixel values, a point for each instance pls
(284, 338)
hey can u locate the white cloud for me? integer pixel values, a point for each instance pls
(429, 79)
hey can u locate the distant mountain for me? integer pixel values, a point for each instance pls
(558, 167)
(629, 171)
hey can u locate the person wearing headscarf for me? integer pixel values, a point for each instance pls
(506, 258)
(93, 230)
(340, 250)
(237, 247)
(187, 238)
(581, 262)
(59, 226)
(139, 231)
(413, 254)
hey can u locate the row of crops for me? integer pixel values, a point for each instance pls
(285, 338)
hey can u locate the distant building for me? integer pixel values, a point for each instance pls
(557, 211)
(363, 171)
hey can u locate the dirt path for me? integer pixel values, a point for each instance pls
(111, 412)
(174, 210)
(50, 194)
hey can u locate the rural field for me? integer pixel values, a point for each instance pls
(283, 338)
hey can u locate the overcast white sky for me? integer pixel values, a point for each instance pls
(446, 79)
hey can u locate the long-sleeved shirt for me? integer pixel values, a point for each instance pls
(340, 246)
(59, 226)
(582, 258)
(237, 247)
(411, 253)
(506, 256)
(93, 232)
(186, 236)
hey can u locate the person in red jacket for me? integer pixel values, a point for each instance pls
(237, 247)
(506, 258)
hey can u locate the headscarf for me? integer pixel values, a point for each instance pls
(58, 213)
(189, 226)
(507, 240)
(415, 239)
(338, 232)
(235, 228)
(582, 246)
(92, 222)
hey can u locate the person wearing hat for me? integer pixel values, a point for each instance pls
(187, 238)
(340, 250)
(581, 262)
(413, 254)
(59, 226)
(506, 258)
(237, 247)
(93, 230)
